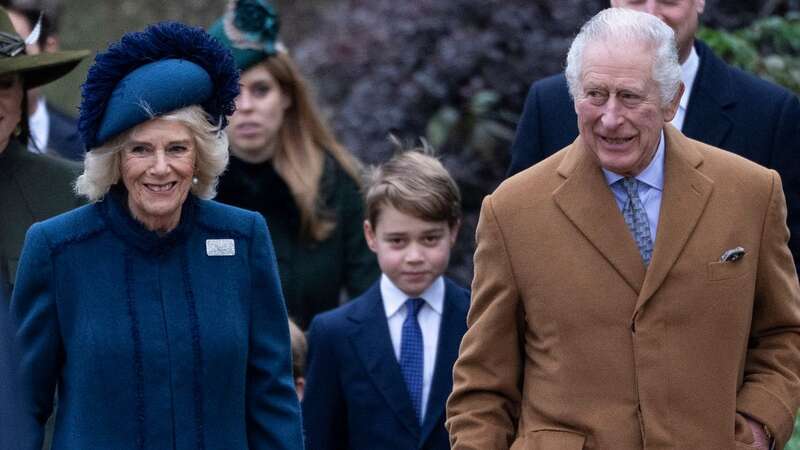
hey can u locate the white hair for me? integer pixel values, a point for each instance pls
(101, 165)
(622, 25)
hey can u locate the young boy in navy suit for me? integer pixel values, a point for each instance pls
(380, 367)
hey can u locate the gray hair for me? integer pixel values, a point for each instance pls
(626, 25)
(101, 165)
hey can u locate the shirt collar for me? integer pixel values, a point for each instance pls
(394, 298)
(652, 175)
(688, 73)
(39, 123)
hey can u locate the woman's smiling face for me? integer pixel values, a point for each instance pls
(157, 166)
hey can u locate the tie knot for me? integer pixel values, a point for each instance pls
(414, 305)
(631, 186)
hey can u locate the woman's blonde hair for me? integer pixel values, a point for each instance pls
(304, 139)
(101, 165)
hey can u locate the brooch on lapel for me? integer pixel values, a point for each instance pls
(220, 247)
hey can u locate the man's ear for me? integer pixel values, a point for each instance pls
(51, 44)
(369, 235)
(699, 6)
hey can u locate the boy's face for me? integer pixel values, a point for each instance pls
(412, 252)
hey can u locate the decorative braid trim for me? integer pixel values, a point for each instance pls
(197, 353)
(138, 365)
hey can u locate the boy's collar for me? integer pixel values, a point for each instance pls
(394, 298)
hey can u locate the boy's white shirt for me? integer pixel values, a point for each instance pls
(429, 318)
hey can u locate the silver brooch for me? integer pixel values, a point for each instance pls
(220, 247)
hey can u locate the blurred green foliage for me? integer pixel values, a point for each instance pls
(770, 48)
(794, 443)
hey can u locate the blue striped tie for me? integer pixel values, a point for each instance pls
(636, 219)
(412, 354)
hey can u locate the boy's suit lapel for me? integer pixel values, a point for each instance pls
(453, 327)
(373, 345)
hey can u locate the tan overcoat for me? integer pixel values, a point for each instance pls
(573, 344)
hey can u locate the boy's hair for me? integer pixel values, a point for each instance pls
(414, 182)
(299, 350)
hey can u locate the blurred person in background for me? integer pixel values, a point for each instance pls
(32, 187)
(152, 298)
(299, 354)
(721, 106)
(287, 165)
(52, 130)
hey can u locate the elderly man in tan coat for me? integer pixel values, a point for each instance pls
(635, 290)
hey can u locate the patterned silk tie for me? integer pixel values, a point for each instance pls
(411, 354)
(636, 219)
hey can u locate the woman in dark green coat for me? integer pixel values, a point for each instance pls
(286, 164)
(32, 187)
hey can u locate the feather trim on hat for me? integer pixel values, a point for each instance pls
(252, 24)
(160, 41)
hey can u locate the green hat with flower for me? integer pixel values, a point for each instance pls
(249, 29)
(37, 69)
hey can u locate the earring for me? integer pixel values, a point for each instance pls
(195, 180)
(18, 130)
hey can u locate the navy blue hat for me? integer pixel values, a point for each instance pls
(167, 66)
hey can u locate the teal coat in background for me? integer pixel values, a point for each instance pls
(313, 274)
(176, 342)
(32, 188)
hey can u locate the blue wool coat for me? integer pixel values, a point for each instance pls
(153, 342)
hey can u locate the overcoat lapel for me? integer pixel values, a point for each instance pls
(373, 345)
(453, 326)
(586, 200)
(686, 193)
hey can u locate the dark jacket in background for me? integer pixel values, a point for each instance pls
(155, 342)
(32, 188)
(728, 108)
(355, 396)
(64, 139)
(313, 274)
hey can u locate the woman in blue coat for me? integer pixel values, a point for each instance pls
(156, 313)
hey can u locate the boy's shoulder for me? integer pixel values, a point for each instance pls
(351, 313)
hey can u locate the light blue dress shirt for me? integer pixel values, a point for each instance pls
(651, 187)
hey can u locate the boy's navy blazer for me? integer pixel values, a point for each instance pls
(728, 108)
(355, 395)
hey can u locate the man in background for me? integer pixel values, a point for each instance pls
(720, 106)
(53, 131)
